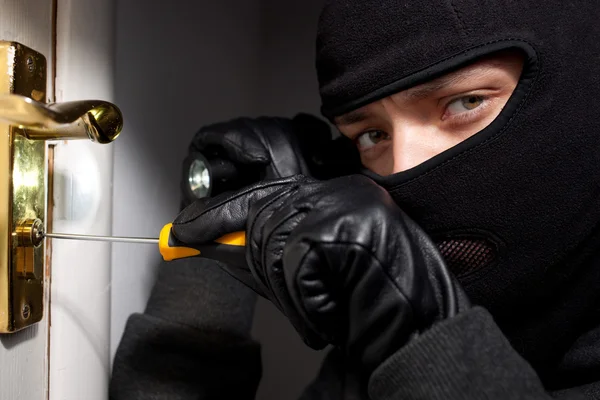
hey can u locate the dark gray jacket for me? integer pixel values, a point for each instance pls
(193, 342)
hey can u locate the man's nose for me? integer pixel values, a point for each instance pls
(412, 144)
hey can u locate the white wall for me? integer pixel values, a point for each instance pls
(178, 67)
(182, 66)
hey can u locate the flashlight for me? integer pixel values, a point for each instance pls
(198, 178)
(207, 175)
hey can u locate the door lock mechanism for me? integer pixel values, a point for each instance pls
(26, 122)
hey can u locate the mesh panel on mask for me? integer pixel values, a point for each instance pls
(466, 255)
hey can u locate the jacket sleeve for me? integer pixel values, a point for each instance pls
(192, 341)
(464, 358)
(337, 379)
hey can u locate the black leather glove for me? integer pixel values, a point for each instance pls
(275, 144)
(280, 146)
(338, 258)
(273, 147)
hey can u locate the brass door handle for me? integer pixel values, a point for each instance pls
(99, 121)
(26, 170)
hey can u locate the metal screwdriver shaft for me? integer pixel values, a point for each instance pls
(97, 238)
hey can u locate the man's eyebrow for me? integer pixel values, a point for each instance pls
(352, 117)
(425, 89)
(420, 91)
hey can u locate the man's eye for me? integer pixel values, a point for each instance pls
(369, 139)
(464, 104)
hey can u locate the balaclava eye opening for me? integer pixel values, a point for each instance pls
(522, 197)
(337, 106)
(496, 127)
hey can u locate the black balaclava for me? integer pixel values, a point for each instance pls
(515, 208)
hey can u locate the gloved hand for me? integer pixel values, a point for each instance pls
(279, 147)
(338, 258)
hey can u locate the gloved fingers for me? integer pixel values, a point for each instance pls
(316, 260)
(314, 295)
(340, 291)
(292, 300)
(437, 292)
(329, 254)
(448, 291)
(279, 225)
(281, 139)
(273, 267)
(210, 218)
(257, 251)
(236, 140)
(271, 221)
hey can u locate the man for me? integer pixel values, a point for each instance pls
(464, 264)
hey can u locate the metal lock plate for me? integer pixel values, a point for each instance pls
(22, 194)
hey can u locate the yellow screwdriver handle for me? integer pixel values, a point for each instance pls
(226, 248)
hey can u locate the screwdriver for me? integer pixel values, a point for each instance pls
(229, 248)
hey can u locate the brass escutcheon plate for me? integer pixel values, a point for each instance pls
(22, 194)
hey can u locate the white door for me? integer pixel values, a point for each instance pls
(66, 356)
